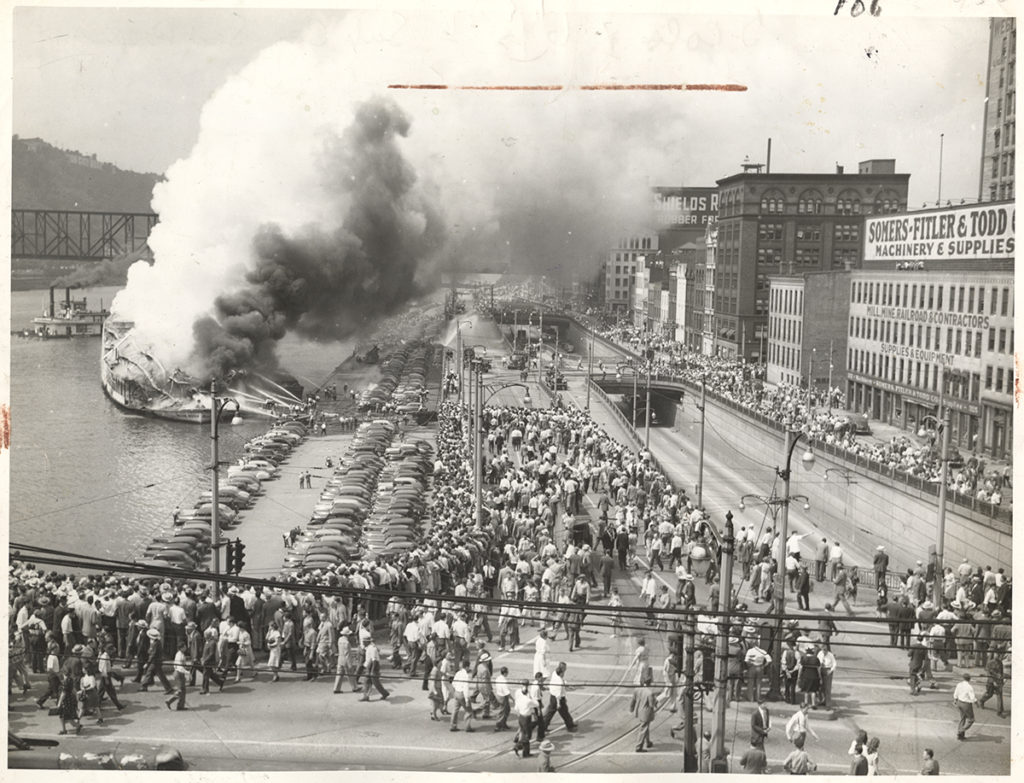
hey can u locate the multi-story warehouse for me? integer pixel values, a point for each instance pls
(620, 270)
(931, 322)
(1000, 124)
(813, 356)
(779, 224)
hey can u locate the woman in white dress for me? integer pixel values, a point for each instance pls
(540, 657)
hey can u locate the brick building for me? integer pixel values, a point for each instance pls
(788, 224)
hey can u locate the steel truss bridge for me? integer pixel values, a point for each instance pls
(78, 235)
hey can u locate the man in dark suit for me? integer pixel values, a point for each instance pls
(760, 723)
(643, 707)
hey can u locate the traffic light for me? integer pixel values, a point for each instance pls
(229, 556)
(235, 557)
(239, 557)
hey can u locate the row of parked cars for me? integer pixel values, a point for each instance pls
(335, 530)
(187, 544)
(402, 385)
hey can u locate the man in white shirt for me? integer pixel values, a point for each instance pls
(828, 668)
(964, 699)
(757, 661)
(797, 726)
(371, 667)
(526, 709)
(648, 593)
(835, 559)
(180, 670)
(443, 632)
(556, 699)
(462, 684)
(503, 695)
(411, 634)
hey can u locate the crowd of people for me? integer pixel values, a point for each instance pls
(436, 603)
(820, 414)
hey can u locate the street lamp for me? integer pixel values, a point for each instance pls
(943, 427)
(843, 473)
(460, 358)
(217, 406)
(776, 504)
(478, 479)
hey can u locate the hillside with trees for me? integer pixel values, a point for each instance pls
(47, 177)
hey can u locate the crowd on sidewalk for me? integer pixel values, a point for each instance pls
(791, 405)
(543, 469)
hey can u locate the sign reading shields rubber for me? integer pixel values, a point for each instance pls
(978, 232)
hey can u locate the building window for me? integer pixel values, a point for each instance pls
(999, 379)
(808, 233)
(772, 203)
(995, 138)
(887, 202)
(970, 299)
(848, 203)
(977, 344)
(847, 232)
(807, 257)
(769, 255)
(809, 203)
(769, 231)
(1004, 309)
(1002, 341)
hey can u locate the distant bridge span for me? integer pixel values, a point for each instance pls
(78, 235)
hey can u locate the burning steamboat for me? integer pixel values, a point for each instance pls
(138, 382)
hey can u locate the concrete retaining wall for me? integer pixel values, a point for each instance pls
(873, 510)
(865, 512)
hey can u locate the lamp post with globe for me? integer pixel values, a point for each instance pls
(779, 593)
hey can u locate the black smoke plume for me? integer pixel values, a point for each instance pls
(330, 285)
(110, 271)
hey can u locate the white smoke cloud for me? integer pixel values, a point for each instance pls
(539, 180)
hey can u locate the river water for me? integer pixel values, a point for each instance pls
(87, 477)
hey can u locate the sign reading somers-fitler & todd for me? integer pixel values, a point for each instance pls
(981, 232)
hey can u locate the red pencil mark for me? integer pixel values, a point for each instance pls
(5, 427)
(1016, 379)
(557, 87)
(721, 87)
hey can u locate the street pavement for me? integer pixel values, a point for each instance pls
(295, 724)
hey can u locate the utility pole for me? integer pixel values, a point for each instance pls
(215, 489)
(478, 478)
(719, 760)
(944, 478)
(690, 763)
(590, 367)
(700, 453)
(540, 348)
(648, 354)
(831, 349)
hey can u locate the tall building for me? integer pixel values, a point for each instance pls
(924, 326)
(620, 270)
(679, 215)
(1000, 126)
(786, 224)
(812, 357)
